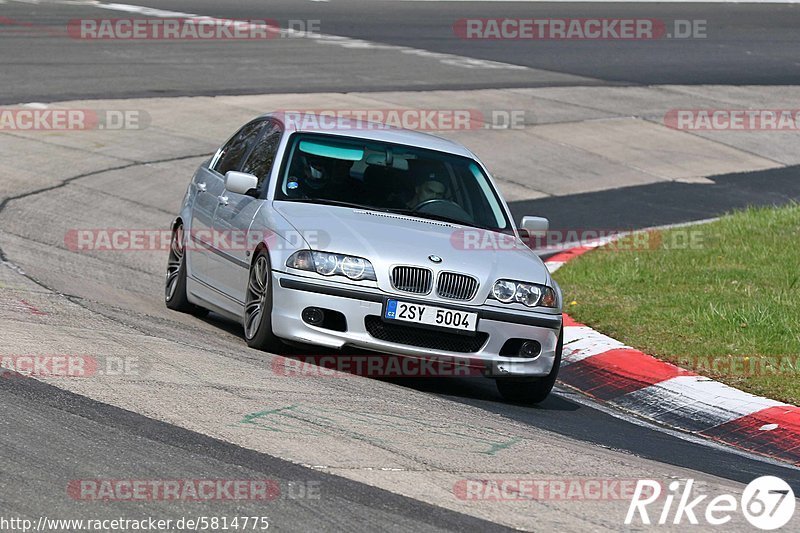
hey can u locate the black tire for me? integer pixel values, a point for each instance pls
(531, 391)
(175, 283)
(257, 318)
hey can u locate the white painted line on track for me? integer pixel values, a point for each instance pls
(337, 40)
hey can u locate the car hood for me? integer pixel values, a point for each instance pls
(387, 239)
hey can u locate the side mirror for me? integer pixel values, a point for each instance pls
(240, 182)
(533, 231)
(535, 224)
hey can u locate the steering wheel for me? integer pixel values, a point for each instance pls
(434, 200)
(446, 208)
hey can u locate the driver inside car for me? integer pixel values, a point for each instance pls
(428, 188)
(313, 180)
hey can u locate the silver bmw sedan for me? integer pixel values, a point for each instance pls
(361, 236)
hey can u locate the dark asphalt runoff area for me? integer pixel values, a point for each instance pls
(664, 203)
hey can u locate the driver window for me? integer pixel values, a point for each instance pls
(262, 158)
(231, 155)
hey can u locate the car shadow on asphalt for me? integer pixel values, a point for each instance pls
(477, 391)
(223, 323)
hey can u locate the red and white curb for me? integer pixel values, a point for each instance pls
(635, 382)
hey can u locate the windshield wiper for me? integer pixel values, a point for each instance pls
(338, 203)
(441, 218)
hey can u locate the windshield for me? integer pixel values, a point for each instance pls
(390, 177)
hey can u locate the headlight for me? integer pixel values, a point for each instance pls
(528, 294)
(504, 290)
(353, 267)
(330, 264)
(326, 264)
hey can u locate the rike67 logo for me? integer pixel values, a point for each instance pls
(767, 503)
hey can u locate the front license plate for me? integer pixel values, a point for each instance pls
(430, 315)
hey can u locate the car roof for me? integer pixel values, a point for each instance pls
(361, 129)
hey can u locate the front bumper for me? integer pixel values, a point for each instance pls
(292, 294)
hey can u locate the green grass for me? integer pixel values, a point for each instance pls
(722, 298)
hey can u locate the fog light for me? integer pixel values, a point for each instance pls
(313, 316)
(530, 349)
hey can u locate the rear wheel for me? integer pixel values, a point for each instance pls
(531, 391)
(175, 286)
(258, 307)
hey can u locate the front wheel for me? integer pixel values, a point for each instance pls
(258, 307)
(175, 286)
(531, 391)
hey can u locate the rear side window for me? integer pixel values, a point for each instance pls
(233, 153)
(263, 155)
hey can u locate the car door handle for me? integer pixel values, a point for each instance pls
(201, 187)
(223, 200)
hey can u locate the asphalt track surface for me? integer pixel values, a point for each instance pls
(50, 436)
(744, 44)
(79, 436)
(662, 204)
